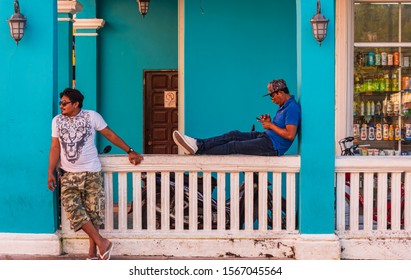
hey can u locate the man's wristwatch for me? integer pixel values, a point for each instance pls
(130, 150)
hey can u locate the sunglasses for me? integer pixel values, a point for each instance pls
(62, 103)
(274, 93)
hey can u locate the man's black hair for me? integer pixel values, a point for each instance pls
(74, 95)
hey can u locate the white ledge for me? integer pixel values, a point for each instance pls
(70, 7)
(226, 163)
(373, 163)
(89, 23)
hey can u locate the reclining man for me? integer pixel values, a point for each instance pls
(277, 138)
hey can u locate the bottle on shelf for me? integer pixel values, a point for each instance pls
(391, 132)
(396, 107)
(387, 82)
(372, 108)
(384, 58)
(385, 134)
(360, 59)
(397, 132)
(408, 131)
(394, 83)
(389, 107)
(378, 109)
(368, 108)
(381, 82)
(362, 108)
(396, 58)
(371, 133)
(378, 132)
(377, 57)
(371, 59)
(356, 131)
(363, 135)
(384, 106)
(369, 85)
(376, 83)
(357, 85)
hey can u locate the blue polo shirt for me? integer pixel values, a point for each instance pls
(289, 113)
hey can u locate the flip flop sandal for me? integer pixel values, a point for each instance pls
(106, 256)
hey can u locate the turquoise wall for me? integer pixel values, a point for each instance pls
(128, 44)
(232, 51)
(27, 84)
(316, 88)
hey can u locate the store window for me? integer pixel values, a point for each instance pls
(381, 90)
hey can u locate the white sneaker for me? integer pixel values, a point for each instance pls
(188, 144)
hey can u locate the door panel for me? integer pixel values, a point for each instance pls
(160, 111)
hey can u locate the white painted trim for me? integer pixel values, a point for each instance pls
(86, 34)
(277, 248)
(385, 44)
(181, 78)
(376, 249)
(30, 244)
(343, 70)
(88, 23)
(373, 163)
(70, 7)
(64, 19)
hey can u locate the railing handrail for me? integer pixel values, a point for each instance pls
(225, 163)
(373, 163)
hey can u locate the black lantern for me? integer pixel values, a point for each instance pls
(17, 23)
(319, 23)
(143, 6)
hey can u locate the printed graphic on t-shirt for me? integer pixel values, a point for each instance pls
(73, 134)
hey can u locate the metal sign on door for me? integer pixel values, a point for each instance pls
(170, 99)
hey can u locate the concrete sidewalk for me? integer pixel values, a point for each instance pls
(113, 257)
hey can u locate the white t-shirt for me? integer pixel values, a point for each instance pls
(78, 152)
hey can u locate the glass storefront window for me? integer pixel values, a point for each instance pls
(382, 74)
(376, 22)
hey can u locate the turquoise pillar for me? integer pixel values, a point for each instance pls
(315, 68)
(86, 59)
(28, 82)
(66, 10)
(86, 26)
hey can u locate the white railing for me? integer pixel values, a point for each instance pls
(242, 204)
(373, 196)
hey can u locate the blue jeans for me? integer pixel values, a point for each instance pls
(236, 142)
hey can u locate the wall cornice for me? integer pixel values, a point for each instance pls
(69, 7)
(89, 23)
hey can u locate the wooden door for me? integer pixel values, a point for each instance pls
(160, 111)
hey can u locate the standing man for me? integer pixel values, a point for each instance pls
(82, 193)
(277, 138)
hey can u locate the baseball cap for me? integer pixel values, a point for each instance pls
(275, 86)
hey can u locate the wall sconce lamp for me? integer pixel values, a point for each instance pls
(319, 23)
(143, 6)
(17, 23)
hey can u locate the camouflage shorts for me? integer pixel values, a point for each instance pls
(82, 196)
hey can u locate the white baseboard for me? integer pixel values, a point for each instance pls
(30, 244)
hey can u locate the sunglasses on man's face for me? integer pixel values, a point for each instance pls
(274, 93)
(64, 103)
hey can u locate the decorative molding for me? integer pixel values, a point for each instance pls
(64, 19)
(89, 23)
(70, 7)
(86, 34)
